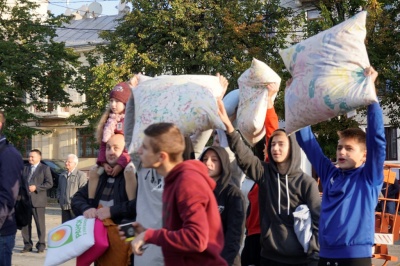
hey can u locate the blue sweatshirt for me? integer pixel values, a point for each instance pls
(347, 221)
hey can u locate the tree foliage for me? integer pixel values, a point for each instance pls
(206, 37)
(187, 37)
(32, 66)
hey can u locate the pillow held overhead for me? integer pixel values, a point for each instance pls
(328, 75)
(189, 101)
(253, 95)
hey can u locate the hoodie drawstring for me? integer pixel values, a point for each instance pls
(288, 196)
(287, 193)
(279, 195)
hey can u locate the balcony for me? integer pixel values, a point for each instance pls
(52, 111)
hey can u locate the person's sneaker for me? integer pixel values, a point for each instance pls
(25, 250)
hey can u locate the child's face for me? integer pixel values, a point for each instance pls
(213, 163)
(116, 106)
(280, 148)
(350, 154)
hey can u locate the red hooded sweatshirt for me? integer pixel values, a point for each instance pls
(192, 230)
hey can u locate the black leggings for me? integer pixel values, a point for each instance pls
(345, 262)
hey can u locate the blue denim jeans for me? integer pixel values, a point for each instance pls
(7, 244)
(390, 207)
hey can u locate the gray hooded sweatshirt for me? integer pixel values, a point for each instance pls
(279, 195)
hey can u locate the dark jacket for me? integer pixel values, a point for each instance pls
(43, 181)
(279, 195)
(122, 209)
(393, 189)
(231, 208)
(11, 166)
(68, 186)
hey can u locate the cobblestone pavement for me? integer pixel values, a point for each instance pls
(53, 219)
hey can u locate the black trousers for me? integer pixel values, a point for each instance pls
(267, 262)
(345, 262)
(67, 215)
(251, 250)
(39, 217)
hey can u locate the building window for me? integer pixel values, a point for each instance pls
(391, 143)
(87, 147)
(313, 14)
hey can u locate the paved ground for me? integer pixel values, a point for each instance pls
(53, 218)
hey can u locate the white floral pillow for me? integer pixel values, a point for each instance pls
(253, 94)
(189, 101)
(327, 71)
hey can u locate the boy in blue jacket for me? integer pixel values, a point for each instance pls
(350, 189)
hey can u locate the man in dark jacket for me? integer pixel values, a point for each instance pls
(282, 188)
(110, 192)
(11, 165)
(110, 204)
(40, 180)
(230, 201)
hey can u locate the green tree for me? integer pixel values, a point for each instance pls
(32, 66)
(383, 48)
(187, 37)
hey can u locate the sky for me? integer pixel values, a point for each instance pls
(58, 7)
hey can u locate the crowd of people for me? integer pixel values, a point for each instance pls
(191, 211)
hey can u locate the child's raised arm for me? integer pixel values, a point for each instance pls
(376, 141)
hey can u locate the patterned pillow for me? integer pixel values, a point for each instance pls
(327, 71)
(253, 96)
(189, 101)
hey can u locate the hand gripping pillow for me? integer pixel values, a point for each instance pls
(327, 71)
(253, 95)
(69, 240)
(189, 101)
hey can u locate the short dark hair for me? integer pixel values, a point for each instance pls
(37, 151)
(168, 138)
(354, 133)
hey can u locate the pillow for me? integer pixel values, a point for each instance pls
(69, 240)
(231, 102)
(189, 101)
(253, 95)
(199, 141)
(327, 71)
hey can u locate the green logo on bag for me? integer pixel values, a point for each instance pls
(60, 236)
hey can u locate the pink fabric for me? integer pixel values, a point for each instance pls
(99, 247)
(110, 128)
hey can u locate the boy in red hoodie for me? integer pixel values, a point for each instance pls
(192, 231)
